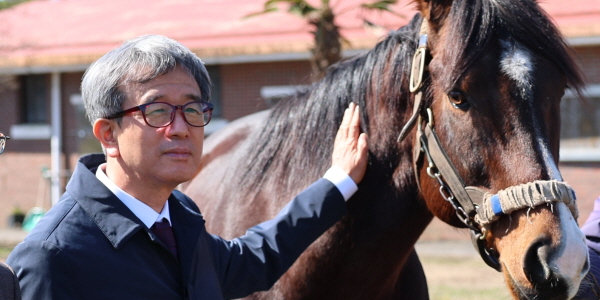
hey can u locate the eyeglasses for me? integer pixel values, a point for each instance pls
(161, 114)
(3, 139)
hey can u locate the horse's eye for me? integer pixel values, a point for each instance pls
(458, 100)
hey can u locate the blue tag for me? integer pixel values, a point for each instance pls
(496, 206)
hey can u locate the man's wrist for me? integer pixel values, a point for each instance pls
(342, 181)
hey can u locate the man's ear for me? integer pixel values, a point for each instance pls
(105, 132)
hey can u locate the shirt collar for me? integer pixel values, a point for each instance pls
(144, 212)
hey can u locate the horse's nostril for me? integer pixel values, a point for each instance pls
(536, 263)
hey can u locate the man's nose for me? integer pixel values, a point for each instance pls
(179, 126)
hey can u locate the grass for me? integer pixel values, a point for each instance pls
(464, 278)
(4, 252)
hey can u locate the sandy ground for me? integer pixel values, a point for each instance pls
(455, 271)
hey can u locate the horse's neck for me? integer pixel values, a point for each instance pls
(375, 238)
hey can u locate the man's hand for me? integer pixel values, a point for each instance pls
(350, 146)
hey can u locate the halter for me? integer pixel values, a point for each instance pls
(475, 208)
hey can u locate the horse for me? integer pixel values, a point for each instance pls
(462, 111)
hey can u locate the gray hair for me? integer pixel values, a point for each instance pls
(138, 60)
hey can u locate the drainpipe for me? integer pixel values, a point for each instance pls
(56, 138)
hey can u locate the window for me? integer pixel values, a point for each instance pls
(34, 108)
(217, 121)
(215, 76)
(275, 93)
(580, 127)
(35, 95)
(87, 142)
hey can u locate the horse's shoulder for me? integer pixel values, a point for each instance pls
(232, 136)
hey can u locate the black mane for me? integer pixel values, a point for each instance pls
(300, 130)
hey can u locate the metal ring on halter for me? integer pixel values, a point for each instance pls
(431, 172)
(430, 117)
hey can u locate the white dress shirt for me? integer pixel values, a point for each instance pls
(145, 213)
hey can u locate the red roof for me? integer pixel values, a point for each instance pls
(76, 32)
(575, 18)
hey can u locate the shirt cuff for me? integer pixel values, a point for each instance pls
(342, 181)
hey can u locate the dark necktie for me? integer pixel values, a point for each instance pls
(165, 233)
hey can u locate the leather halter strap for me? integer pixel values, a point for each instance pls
(416, 79)
(476, 208)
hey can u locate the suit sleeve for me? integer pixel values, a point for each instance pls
(44, 272)
(9, 284)
(256, 260)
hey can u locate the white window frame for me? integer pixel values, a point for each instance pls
(576, 154)
(273, 93)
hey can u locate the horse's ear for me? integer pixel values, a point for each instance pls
(435, 11)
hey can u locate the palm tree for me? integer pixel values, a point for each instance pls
(327, 48)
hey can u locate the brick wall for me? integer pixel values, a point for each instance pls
(241, 84)
(584, 177)
(21, 183)
(589, 60)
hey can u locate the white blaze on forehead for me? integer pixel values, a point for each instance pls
(517, 64)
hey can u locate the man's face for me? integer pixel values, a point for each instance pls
(163, 156)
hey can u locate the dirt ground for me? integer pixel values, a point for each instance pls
(456, 272)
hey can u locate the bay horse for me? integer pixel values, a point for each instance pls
(462, 111)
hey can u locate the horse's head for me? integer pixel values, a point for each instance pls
(489, 122)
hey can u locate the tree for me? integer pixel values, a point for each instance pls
(327, 48)
(8, 3)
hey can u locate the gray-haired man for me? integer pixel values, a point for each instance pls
(122, 231)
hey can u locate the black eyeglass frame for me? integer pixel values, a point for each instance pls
(3, 139)
(207, 107)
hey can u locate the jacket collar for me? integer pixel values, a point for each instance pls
(118, 223)
(113, 218)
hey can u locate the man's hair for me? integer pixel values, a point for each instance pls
(138, 60)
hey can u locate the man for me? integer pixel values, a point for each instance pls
(9, 285)
(3, 139)
(108, 237)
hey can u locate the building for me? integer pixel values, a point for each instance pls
(45, 46)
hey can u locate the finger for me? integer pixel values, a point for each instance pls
(363, 145)
(352, 108)
(343, 130)
(354, 129)
(357, 172)
(347, 117)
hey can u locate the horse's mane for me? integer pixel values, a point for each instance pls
(299, 132)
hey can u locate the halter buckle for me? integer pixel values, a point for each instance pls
(419, 62)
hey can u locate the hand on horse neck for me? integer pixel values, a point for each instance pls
(350, 146)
